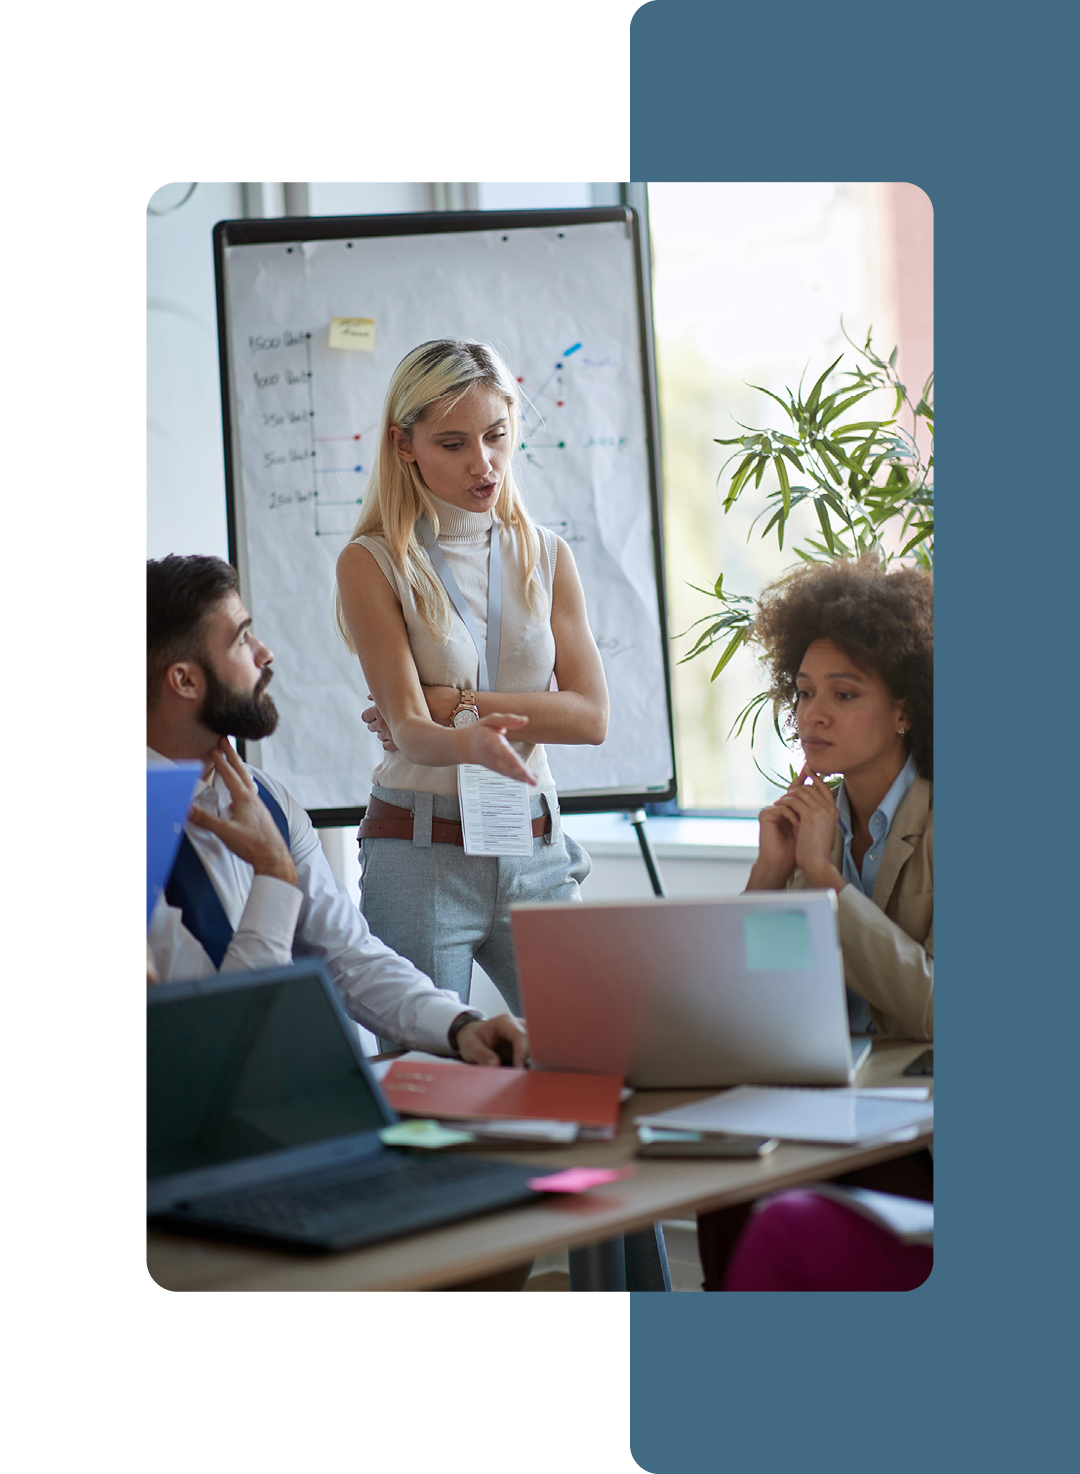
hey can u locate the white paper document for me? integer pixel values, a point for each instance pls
(495, 814)
(797, 1115)
(911, 1220)
(883, 1092)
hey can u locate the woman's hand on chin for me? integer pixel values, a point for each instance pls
(485, 744)
(775, 861)
(814, 815)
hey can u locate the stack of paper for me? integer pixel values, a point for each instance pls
(840, 1116)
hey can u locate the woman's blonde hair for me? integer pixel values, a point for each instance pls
(440, 372)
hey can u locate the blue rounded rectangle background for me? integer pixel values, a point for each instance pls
(969, 103)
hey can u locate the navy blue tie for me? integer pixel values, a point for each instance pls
(192, 891)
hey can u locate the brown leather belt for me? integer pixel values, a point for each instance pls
(388, 821)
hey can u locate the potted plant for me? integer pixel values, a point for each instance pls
(870, 483)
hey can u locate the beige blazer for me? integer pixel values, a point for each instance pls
(888, 941)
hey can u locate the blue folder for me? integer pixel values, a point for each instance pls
(168, 797)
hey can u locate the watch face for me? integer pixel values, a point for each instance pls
(466, 718)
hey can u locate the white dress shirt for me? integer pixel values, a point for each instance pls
(274, 922)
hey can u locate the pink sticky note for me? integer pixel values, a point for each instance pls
(578, 1179)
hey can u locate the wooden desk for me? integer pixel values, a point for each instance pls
(660, 1189)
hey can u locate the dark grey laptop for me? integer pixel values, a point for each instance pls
(263, 1120)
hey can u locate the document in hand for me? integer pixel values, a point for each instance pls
(797, 1115)
(460, 1092)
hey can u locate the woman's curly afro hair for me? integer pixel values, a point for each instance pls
(884, 623)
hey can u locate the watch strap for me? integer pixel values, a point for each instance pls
(457, 1026)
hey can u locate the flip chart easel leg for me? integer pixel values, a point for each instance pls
(637, 819)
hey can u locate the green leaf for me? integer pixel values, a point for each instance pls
(823, 518)
(861, 425)
(792, 457)
(925, 532)
(736, 641)
(815, 392)
(824, 455)
(785, 484)
(737, 481)
(838, 409)
(785, 407)
(755, 705)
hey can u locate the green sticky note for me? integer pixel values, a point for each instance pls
(776, 941)
(428, 1134)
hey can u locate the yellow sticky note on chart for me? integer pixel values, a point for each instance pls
(352, 332)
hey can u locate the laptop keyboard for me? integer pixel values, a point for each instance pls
(291, 1207)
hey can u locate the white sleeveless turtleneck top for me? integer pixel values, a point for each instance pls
(527, 646)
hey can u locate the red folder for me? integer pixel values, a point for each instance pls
(455, 1091)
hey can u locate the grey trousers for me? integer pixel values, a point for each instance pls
(441, 908)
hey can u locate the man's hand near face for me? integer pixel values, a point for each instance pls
(251, 832)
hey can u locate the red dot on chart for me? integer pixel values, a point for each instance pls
(559, 404)
(356, 437)
(520, 379)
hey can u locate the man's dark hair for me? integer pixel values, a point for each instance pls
(180, 593)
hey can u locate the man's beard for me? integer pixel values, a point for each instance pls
(232, 713)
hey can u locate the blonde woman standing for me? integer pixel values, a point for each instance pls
(461, 611)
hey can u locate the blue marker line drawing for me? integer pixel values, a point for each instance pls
(567, 351)
(336, 470)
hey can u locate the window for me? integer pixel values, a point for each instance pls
(750, 283)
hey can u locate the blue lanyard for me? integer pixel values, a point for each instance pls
(489, 660)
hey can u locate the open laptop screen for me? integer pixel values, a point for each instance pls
(236, 1068)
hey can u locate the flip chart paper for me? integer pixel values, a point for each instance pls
(562, 305)
(352, 332)
(495, 815)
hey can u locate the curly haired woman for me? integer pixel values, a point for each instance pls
(850, 650)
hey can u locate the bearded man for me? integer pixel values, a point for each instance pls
(251, 887)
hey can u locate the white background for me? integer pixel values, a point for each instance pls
(103, 105)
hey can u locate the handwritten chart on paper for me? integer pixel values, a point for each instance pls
(315, 329)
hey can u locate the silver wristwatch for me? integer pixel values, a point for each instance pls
(466, 711)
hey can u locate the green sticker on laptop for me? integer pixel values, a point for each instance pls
(776, 941)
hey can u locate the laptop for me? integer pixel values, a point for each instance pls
(737, 990)
(263, 1121)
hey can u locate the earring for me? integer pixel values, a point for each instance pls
(901, 731)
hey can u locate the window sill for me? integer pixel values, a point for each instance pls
(672, 838)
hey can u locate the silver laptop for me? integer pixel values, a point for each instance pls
(739, 990)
